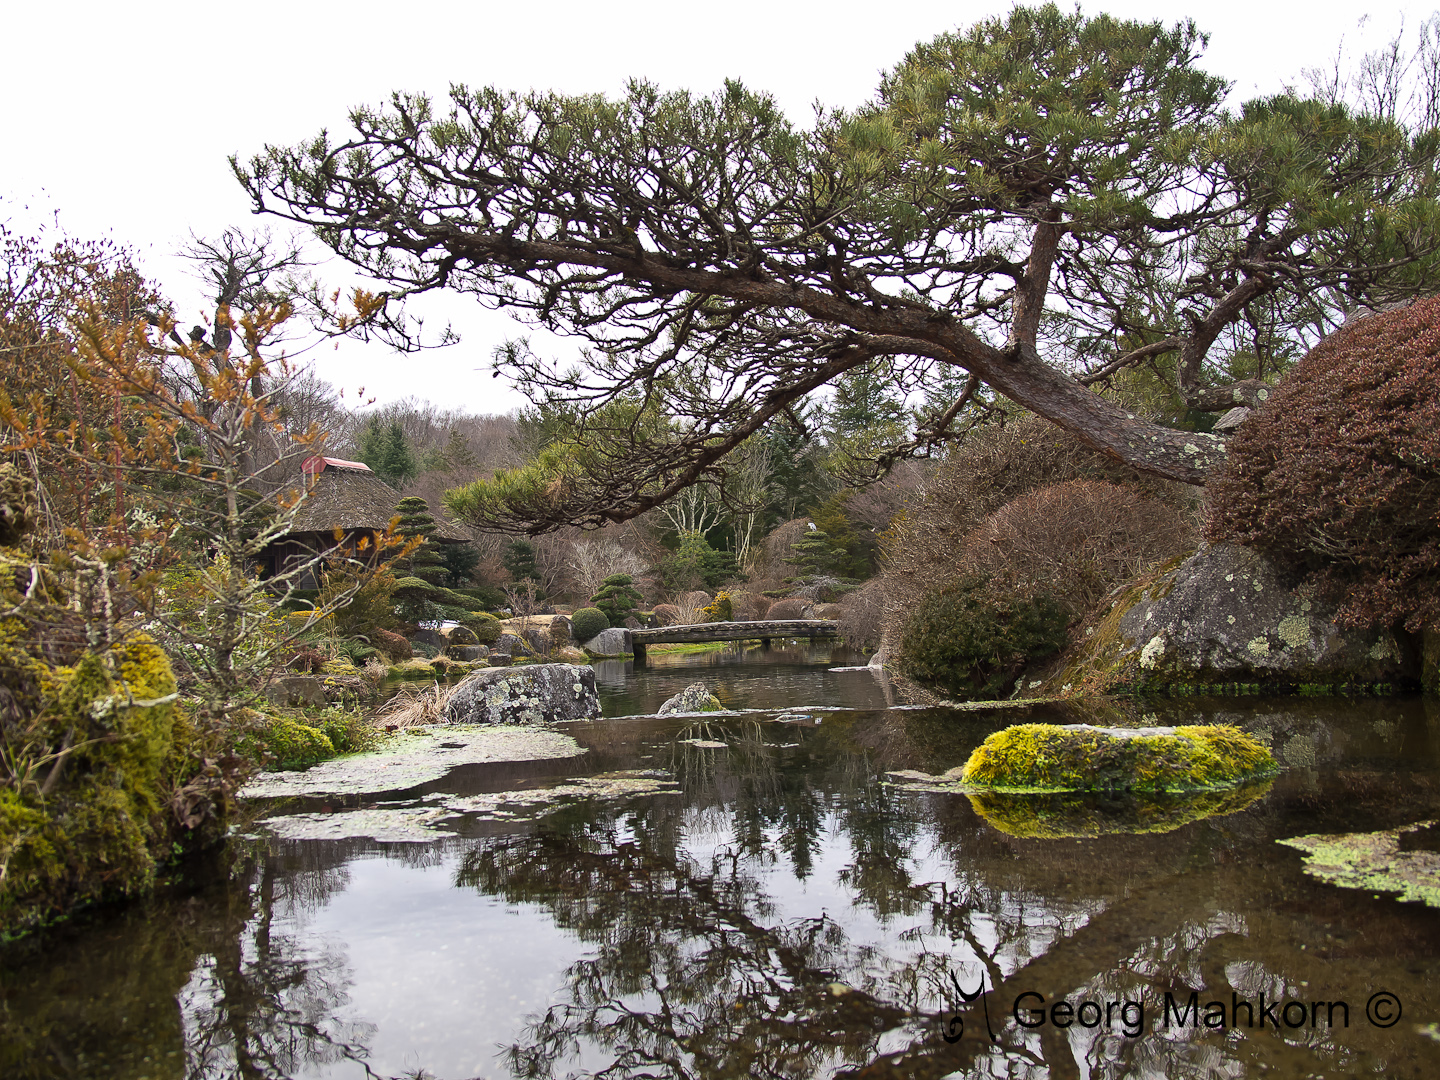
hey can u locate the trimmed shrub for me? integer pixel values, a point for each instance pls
(587, 622)
(483, 625)
(973, 641)
(393, 646)
(793, 607)
(1075, 540)
(666, 614)
(293, 745)
(617, 598)
(1337, 476)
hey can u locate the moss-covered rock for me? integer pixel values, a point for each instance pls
(1224, 620)
(1048, 757)
(90, 774)
(293, 745)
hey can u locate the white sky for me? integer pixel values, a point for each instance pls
(120, 116)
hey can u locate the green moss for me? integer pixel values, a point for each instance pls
(1047, 757)
(101, 743)
(1054, 815)
(1376, 862)
(293, 745)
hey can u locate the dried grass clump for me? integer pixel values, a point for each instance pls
(1337, 476)
(415, 707)
(690, 607)
(862, 616)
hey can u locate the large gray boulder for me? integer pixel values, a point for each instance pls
(512, 644)
(614, 641)
(531, 696)
(695, 698)
(1224, 619)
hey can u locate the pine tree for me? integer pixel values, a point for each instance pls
(616, 598)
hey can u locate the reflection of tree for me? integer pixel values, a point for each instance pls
(262, 1003)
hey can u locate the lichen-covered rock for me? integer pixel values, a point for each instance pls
(528, 696)
(612, 642)
(1078, 757)
(1223, 619)
(513, 644)
(695, 698)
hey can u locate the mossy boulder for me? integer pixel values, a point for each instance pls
(289, 744)
(1049, 757)
(88, 822)
(695, 698)
(1223, 620)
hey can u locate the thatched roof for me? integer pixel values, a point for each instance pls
(347, 495)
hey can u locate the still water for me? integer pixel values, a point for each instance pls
(783, 910)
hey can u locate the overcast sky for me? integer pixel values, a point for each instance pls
(120, 117)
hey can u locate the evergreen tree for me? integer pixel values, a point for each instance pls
(388, 453)
(617, 598)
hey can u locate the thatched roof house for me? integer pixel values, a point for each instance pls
(345, 496)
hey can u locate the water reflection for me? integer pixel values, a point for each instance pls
(793, 915)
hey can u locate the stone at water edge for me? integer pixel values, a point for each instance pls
(1222, 617)
(533, 695)
(1078, 757)
(695, 698)
(614, 641)
(512, 644)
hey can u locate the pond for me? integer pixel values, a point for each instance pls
(775, 903)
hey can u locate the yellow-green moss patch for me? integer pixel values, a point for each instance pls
(1378, 862)
(1048, 757)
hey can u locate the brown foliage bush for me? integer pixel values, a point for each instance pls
(792, 607)
(1075, 540)
(995, 466)
(666, 614)
(1337, 476)
(394, 646)
(862, 615)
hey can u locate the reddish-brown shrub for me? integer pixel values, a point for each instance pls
(394, 646)
(308, 660)
(792, 607)
(666, 614)
(1075, 541)
(1337, 476)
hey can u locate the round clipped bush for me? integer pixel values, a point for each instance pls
(483, 625)
(587, 622)
(666, 614)
(1079, 757)
(1337, 476)
(973, 641)
(792, 607)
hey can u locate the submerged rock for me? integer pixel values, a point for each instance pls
(1404, 860)
(533, 695)
(1224, 619)
(695, 698)
(1048, 757)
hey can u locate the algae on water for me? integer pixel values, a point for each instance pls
(1078, 757)
(415, 758)
(1376, 862)
(428, 821)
